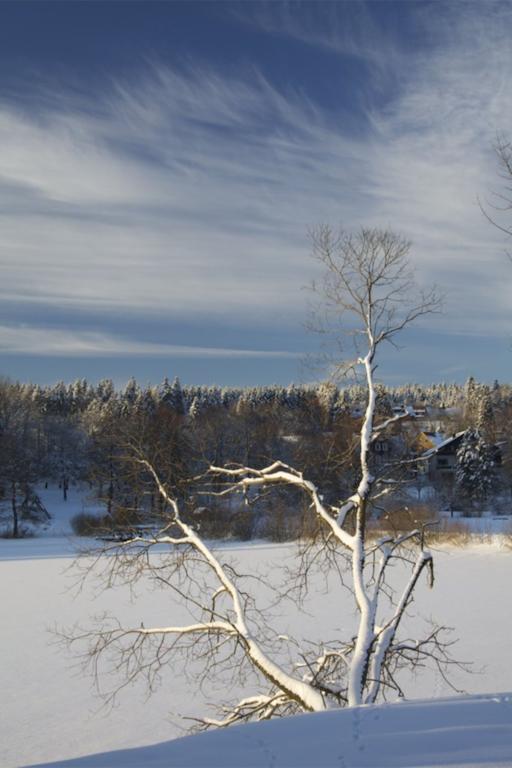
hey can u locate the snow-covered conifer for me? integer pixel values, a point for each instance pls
(470, 399)
(475, 473)
(105, 390)
(172, 396)
(485, 421)
(130, 395)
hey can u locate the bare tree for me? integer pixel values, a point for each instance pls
(497, 211)
(20, 462)
(369, 285)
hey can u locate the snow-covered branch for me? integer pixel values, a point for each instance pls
(298, 690)
(383, 426)
(280, 474)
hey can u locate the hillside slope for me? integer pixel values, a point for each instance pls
(463, 731)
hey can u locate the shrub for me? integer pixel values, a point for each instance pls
(23, 533)
(88, 524)
(242, 524)
(403, 519)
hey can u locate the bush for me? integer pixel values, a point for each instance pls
(219, 522)
(451, 531)
(242, 524)
(281, 525)
(87, 524)
(403, 519)
(454, 532)
(23, 533)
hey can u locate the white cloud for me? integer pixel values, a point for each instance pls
(193, 193)
(336, 27)
(27, 340)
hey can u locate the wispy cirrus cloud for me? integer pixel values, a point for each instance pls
(338, 28)
(54, 342)
(192, 192)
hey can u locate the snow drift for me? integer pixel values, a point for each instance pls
(462, 731)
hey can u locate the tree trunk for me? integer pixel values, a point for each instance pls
(15, 528)
(110, 497)
(110, 486)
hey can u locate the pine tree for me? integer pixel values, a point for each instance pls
(470, 399)
(327, 395)
(195, 409)
(146, 403)
(165, 391)
(105, 390)
(475, 474)
(177, 403)
(485, 421)
(130, 395)
(382, 404)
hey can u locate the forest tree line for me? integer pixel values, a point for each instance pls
(81, 433)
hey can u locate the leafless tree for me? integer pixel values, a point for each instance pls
(497, 210)
(20, 464)
(369, 287)
(367, 294)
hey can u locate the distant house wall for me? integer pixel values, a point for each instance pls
(442, 464)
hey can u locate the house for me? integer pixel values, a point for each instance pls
(387, 449)
(426, 440)
(382, 450)
(438, 460)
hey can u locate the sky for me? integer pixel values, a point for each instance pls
(162, 163)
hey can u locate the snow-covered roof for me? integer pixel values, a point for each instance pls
(442, 444)
(436, 438)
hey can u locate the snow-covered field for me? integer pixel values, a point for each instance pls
(51, 713)
(466, 732)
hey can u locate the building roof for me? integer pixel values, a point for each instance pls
(443, 444)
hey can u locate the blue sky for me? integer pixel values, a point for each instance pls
(161, 164)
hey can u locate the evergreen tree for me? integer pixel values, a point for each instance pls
(470, 399)
(131, 393)
(327, 395)
(105, 390)
(475, 474)
(165, 391)
(171, 395)
(196, 408)
(485, 421)
(383, 407)
(146, 402)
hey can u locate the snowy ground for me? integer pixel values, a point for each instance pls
(489, 524)
(465, 732)
(54, 715)
(79, 499)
